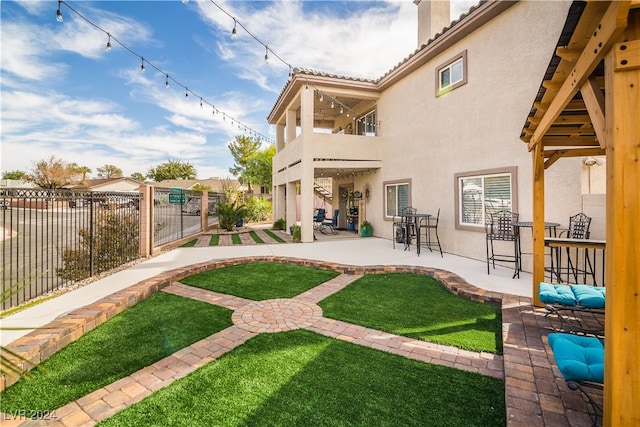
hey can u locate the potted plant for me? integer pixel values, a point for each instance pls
(366, 229)
(296, 233)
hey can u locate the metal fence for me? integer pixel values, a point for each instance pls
(176, 213)
(53, 238)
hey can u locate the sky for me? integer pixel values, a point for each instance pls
(63, 94)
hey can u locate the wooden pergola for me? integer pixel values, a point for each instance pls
(588, 105)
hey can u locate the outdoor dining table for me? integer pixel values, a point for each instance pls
(551, 226)
(416, 219)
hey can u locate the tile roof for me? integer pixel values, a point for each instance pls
(316, 73)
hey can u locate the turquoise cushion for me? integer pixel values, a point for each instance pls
(579, 358)
(556, 294)
(589, 296)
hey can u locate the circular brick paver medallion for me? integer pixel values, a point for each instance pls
(276, 315)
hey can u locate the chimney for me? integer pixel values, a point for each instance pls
(433, 16)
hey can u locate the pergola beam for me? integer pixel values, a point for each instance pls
(569, 141)
(594, 100)
(609, 28)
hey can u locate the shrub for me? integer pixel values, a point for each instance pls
(115, 242)
(280, 224)
(229, 214)
(258, 209)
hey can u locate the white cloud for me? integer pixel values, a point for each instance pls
(24, 52)
(363, 44)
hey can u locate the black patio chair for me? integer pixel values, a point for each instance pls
(404, 227)
(429, 225)
(499, 227)
(579, 225)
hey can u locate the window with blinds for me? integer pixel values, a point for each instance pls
(482, 195)
(397, 198)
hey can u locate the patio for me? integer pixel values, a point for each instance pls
(534, 391)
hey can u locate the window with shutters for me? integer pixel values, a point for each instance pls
(397, 197)
(481, 193)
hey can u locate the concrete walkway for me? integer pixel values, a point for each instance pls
(343, 249)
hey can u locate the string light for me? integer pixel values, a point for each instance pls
(343, 107)
(59, 13)
(142, 66)
(234, 32)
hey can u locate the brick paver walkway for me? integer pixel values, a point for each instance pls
(535, 394)
(245, 238)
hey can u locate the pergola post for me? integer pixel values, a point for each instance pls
(538, 220)
(622, 317)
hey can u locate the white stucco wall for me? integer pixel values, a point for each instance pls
(477, 126)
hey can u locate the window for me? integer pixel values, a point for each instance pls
(451, 74)
(397, 197)
(367, 124)
(484, 192)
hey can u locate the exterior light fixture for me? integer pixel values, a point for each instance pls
(142, 66)
(590, 161)
(166, 82)
(266, 53)
(108, 49)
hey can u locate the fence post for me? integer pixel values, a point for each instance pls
(204, 211)
(91, 224)
(146, 223)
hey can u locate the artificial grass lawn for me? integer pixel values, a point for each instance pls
(417, 306)
(300, 378)
(274, 236)
(260, 280)
(138, 337)
(255, 237)
(235, 239)
(215, 240)
(189, 244)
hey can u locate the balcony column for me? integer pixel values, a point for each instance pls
(279, 137)
(290, 126)
(291, 205)
(306, 179)
(279, 202)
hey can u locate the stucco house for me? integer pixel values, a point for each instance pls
(216, 185)
(108, 184)
(441, 130)
(455, 113)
